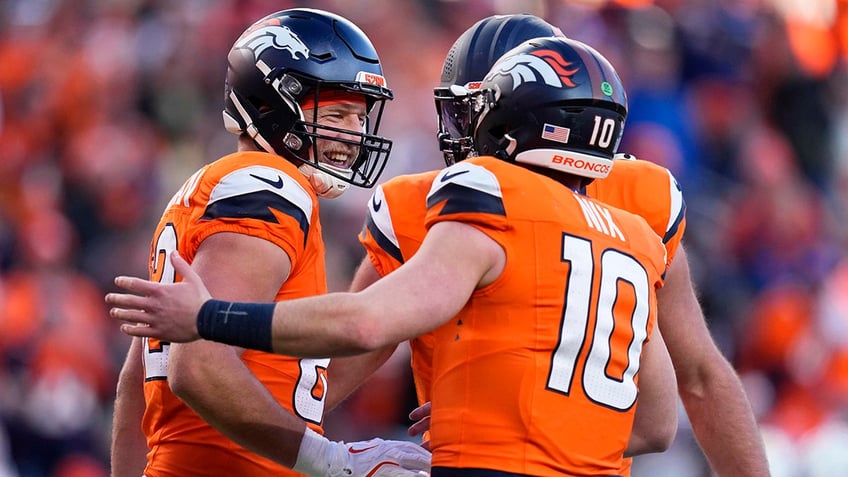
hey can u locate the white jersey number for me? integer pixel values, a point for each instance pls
(617, 392)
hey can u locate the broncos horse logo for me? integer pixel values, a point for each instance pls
(273, 36)
(546, 66)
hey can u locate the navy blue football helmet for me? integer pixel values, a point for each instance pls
(278, 68)
(555, 103)
(467, 62)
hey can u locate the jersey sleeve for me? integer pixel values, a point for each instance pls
(257, 200)
(467, 193)
(378, 235)
(650, 191)
(676, 217)
(394, 223)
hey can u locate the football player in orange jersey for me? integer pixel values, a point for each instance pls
(709, 387)
(710, 390)
(249, 225)
(392, 234)
(542, 299)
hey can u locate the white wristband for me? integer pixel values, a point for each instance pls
(313, 458)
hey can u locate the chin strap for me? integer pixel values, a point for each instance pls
(324, 184)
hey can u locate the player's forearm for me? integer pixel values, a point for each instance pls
(277, 437)
(338, 324)
(129, 446)
(327, 327)
(129, 449)
(724, 424)
(655, 421)
(333, 325)
(227, 396)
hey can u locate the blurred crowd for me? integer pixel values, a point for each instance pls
(106, 107)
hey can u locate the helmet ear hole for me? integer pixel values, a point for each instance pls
(498, 134)
(296, 143)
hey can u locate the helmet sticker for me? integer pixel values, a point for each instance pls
(555, 133)
(546, 66)
(606, 88)
(273, 35)
(371, 78)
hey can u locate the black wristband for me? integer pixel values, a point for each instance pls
(246, 325)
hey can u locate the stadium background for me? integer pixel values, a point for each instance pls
(107, 106)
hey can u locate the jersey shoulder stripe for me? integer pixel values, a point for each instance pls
(678, 208)
(378, 222)
(466, 188)
(648, 190)
(252, 192)
(256, 205)
(394, 225)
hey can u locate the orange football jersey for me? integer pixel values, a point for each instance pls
(652, 192)
(262, 195)
(550, 395)
(537, 374)
(649, 191)
(394, 226)
(393, 232)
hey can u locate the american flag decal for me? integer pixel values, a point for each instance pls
(555, 133)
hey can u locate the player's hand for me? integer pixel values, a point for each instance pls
(421, 416)
(382, 458)
(166, 311)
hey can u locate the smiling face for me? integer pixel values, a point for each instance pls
(337, 147)
(336, 135)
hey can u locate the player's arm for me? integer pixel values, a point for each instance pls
(211, 377)
(427, 291)
(712, 393)
(350, 372)
(129, 446)
(655, 423)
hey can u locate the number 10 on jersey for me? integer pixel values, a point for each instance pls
(597, 292)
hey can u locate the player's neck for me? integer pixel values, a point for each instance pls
(573, 182)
